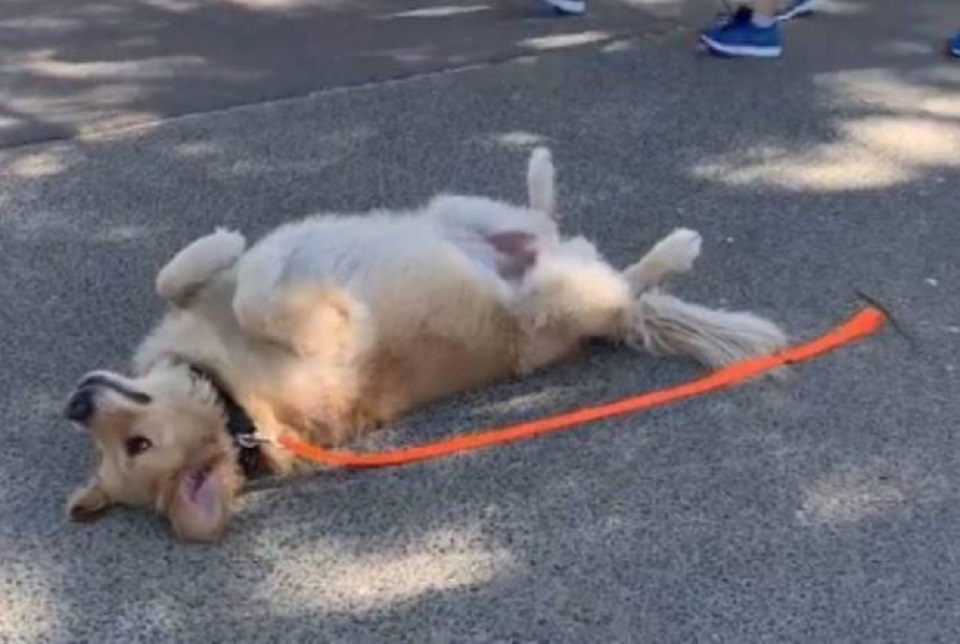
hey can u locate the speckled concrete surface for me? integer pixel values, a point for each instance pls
(820, 510)
(84, 66)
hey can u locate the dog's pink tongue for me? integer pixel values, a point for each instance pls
(202, 490)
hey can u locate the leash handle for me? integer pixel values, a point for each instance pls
(866, 322)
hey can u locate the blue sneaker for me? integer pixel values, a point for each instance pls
(740, 37)
(796, 8)
(953, 47)
(568, 7)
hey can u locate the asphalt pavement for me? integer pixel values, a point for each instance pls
(820, 509)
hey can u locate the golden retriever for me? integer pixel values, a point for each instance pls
(337, 324)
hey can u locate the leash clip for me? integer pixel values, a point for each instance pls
(250, 441)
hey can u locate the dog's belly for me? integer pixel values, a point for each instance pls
(498, 261)
(454, 284)
(456, 331)
(412, 262)
(440, 299)
(404, 376)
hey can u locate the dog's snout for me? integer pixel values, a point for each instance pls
(80, 407)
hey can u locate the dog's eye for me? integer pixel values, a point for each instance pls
(137, 445)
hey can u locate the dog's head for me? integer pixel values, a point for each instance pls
(161, 443)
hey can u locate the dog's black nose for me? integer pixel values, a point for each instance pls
(80, 406)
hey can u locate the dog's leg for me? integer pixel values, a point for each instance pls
(571, 294)
(665, 325)
(196, 264)
(309, 318)
(540, 182)
(672, 255)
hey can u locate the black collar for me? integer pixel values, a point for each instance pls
(240, 426)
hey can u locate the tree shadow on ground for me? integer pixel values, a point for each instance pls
(83, 66)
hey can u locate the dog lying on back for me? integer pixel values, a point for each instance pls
(335, 325)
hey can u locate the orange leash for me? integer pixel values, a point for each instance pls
(866, 322)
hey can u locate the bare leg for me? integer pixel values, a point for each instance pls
(767, 9)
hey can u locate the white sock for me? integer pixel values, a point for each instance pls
(763, 22)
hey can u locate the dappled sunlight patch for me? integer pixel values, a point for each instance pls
(904, 48)
(842, 7)
(103, 9)
(619, 46)
(675, 9)
(828, 169)
(913, 141)
(123, 233)
(887, 92)
(909, 129)
(412, 56)
(8, 122)
(174, 6)
(61, 111)
(143, 121)
(438, 12)
(26, 609)
(195, 149)
(332, 577)
(516, 139)
(36, 224)
(547, 400)
(326, 149)
(48, 24)
(40, 164)
(563, 41)
(877, 489)
(945, 73)
(113, 94)
(652, 3)
(265, 168)
(524, 60)
(43, 63)
(287, 5)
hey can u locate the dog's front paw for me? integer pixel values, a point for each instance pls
(679, 250)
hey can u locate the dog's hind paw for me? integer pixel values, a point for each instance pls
(197, 263)
(677, 252)
(672, 255)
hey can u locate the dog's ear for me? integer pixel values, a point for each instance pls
(198, 500)
(88, 503)
(196, 264)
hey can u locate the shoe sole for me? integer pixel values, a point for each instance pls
(567, 6)
(740, 50)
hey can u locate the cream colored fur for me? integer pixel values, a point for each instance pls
(333, 325)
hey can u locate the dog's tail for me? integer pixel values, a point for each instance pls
(666, 325)
(196, 264)
(540, 182)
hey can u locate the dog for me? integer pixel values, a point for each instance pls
(335, 325)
